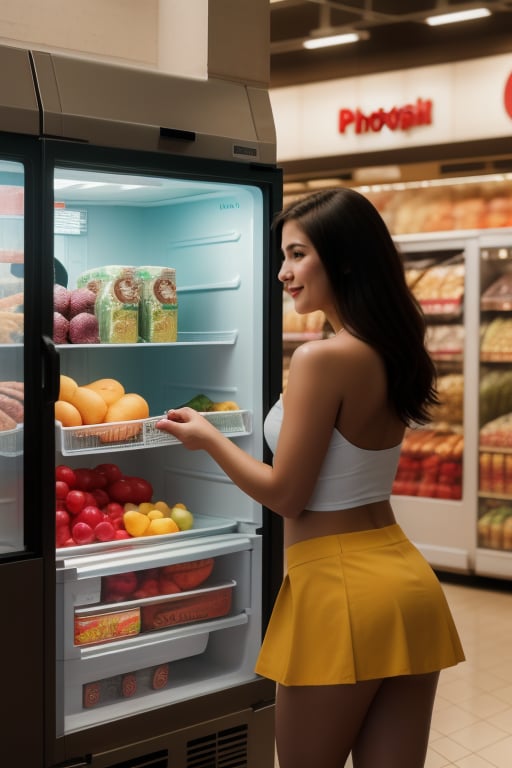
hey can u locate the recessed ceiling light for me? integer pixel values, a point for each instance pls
(457, 16)
(328, 40)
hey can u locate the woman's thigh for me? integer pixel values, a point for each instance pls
(397, 724)
(384, 723)
(317, 725)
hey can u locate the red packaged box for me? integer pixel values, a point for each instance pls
(183, 610)
(100, 628)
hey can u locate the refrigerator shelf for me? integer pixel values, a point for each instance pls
(140, 433)
(11, 441)
(185, 338)
(117, 622)
(204, 525)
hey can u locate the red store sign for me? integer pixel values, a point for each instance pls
(396, 119)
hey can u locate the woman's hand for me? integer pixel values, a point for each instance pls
(189, 427)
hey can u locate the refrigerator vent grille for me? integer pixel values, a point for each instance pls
(154, 760)
(225, 749)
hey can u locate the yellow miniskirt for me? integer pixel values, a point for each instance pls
(357, 606)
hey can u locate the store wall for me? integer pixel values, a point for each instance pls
(229, 39)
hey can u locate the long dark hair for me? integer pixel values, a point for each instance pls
(367, 276)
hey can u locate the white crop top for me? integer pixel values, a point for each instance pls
(349, 476)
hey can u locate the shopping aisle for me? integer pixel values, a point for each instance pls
(472, 723)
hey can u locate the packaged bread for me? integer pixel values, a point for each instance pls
(499, 294)
(496, 344)
(450, 389)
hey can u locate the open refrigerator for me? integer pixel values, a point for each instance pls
(118, 179)
(453, 486)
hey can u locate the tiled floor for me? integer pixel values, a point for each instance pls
(472, 722)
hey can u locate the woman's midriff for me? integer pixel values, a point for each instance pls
(311, 524)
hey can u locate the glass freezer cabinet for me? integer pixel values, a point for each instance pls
(465, 523)
(494, 553)
(435, 489)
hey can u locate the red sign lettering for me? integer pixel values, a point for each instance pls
(398, 118)
(508, 96)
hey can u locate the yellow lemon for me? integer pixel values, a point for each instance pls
(160, 526)
(163, 507)
(135, 523)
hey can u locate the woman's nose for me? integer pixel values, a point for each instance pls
(284, 274)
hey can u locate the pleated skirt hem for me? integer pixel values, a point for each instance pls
(358, 606)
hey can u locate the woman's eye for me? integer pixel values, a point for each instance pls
(298, 254)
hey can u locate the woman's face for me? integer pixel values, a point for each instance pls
(302, 272)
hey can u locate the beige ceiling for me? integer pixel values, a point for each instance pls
(398, 37)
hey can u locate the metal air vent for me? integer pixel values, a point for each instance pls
(154, 760)
(225, 749)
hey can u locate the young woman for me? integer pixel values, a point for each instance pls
(361, 628)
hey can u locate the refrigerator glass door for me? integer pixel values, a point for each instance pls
(495, 413)
(431, 462)
(11, 356)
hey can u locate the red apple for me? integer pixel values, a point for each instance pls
(111, 472)
(105, 531)
(84, 479)
(91, 515)
(61, 518)
(114, 510)
(120, 491)
(101, 496)
(82, 533)
(62, 534)
(66, 474)
(61, 489)
(121, 533)
(141, 490)
(75, 502)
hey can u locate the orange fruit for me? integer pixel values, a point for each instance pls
(68, 388)
(136, 523)
(67, 414)
(109, 389)
(127, 408)
(92, 406)
(160, 526)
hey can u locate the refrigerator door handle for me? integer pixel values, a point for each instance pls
(51, 370)
(176, 133)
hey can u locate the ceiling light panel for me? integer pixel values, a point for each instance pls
(457, 16)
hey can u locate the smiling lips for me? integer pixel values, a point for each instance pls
(294, 292)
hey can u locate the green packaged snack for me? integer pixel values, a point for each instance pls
(159, 304)
(117, 308)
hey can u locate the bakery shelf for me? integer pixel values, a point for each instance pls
(140, 433)
(492, 495)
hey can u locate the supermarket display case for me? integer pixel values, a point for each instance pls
(453, 490)
(494, 550)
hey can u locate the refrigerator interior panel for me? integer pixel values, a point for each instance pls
(210, 234)
(121, 654)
